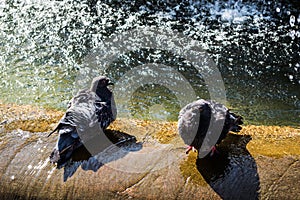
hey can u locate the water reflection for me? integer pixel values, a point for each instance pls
(123, 144)
(233, 172)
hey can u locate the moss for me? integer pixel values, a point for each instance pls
(28, 118)
(163, 132)
(189, 170)
(270, 131)
(272, 141)
(33, 125)
(167, 132)
(275, 148)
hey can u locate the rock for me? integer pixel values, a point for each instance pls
(155, 170)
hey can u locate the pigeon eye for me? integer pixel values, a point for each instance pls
(111, 87)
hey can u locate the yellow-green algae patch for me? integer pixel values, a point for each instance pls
(32, 125)
(167, 132)
(189, 170)
(163, 132)
(132, 126)
(28, 118)
(13, 112)
(272, 141)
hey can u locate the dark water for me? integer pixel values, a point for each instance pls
(232, 172)
(255, 46)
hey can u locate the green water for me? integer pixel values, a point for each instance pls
(52, 87)
(47, 86)
(43, 47)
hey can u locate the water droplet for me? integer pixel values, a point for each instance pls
(12, 177)
(291, 77)
(292, 20)
(29, 167)
(292, 34)
(277, 9)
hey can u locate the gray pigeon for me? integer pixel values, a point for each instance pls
(90, 107)
(203, 124)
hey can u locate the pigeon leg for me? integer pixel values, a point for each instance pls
(189, 148)
(213, 151)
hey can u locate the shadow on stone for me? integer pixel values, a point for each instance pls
(122, 144)
(232, 173)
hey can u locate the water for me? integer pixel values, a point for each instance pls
(255, 45)
(232, 173)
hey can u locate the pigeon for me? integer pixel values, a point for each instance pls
(90, 107)
(203, 124)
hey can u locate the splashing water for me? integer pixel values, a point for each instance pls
(254, 44)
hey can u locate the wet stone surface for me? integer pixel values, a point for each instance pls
(258, 163)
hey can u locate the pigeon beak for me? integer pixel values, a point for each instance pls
(110, 85)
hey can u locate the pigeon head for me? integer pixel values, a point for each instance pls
(100, 82)
(99, 86)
